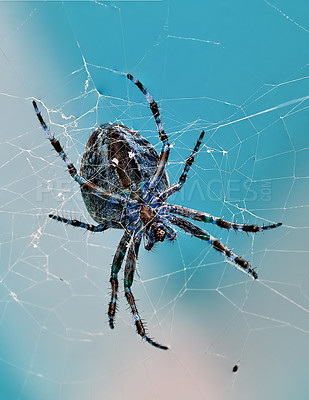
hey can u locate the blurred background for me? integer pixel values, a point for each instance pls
(239, 71)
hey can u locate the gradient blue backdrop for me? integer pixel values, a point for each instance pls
(239, 70)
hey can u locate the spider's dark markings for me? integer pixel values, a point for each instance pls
(124, 185)
(118, 152)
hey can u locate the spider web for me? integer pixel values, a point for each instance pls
(239, 71)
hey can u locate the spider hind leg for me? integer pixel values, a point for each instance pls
(128, 280)
(162, 135)
(80, 224)
(183, 177)
(96, 190)
(116, 265)
(56, 144)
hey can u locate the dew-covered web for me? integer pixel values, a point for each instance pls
(240, 73)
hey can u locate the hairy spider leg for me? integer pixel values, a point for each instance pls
(128, 280)
(94, 189)
(89, 227)
(207, 218)
(162, 135)
(194, 230)
(170, 232)
(177, 186)
(149, 240)
(116, 265)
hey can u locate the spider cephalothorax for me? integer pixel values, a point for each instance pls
(124, 185)
(154, 230)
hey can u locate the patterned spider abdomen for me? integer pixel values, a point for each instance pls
(117, 158)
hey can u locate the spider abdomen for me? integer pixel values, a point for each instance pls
(116, 158)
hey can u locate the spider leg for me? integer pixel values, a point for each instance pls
(162, 135)
(194, 230)
(170, 232)
(96, 190)
(149, 241)
(177, 186)
(93, 228)
(128, 280)
(116, 265)
(204, 217)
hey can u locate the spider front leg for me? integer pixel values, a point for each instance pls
(207, 218)
(194, 230)
(116, 265)
(128, 280)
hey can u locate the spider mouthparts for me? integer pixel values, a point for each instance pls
(159, 233)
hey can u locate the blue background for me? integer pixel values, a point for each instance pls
(237, 69)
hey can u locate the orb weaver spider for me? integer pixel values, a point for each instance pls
(124, 185)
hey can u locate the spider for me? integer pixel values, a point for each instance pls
(124, 185)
